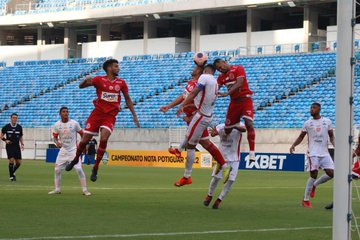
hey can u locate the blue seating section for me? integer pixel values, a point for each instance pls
(27, 84)
(3, 7)
(156, 82)
(48, 6)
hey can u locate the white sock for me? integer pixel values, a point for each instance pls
(226, 189)
(213, 184)
(323, 179)
(182, 145)
(309, 185)
(82, 178)
(57, 179)
(189, 162)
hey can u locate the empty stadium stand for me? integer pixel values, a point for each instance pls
(283, 85)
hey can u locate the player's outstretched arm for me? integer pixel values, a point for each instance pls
(86, 83)
(297, 141)
(237, 85)
(190, 98)
(130, 105)
(174, 103)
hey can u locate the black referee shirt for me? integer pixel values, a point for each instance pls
(12, 133)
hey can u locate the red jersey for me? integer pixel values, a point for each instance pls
(189, 111)
(229, 78)
(108, 94)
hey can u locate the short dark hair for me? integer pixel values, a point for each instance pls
(13, 114)
(62, 108)
(212, 67)
(316, 104)
(218, 60)
(108, 62)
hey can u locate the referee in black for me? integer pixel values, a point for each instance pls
(12, 135)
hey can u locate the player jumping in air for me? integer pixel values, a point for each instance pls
(230, 148)
(103, 117)
(318, 129)
(241, 103)
(189, 111)
(204, 97)
(65, 134)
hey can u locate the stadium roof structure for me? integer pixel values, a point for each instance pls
(133, 11)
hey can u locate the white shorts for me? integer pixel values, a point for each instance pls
(324, 162)
(233, 173)
(196, 128)
(64, 157)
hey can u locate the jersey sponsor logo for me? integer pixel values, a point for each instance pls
(110, 97)
(117, 88)
(318, 129)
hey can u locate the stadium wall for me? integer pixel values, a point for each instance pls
(267, 140)
(10, 54)
(331, 35)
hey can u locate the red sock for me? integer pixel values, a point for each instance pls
(100, 153)
(214, 151)
(251, 138)
(79, 151)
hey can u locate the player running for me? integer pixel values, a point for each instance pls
(204, 97)
(318, 129)
(103, 117)
(189, 110)
(241, 103)
(230, 148)
(65, 135)
(12, 135)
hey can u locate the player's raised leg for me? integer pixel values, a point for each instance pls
(79, 150)
(104, 137)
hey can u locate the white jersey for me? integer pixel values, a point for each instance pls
(67, 133)
(230, 143)
(205, 100)
(317, 131)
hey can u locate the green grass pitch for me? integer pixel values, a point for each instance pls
(142, 203)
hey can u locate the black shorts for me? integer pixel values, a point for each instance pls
(13, 151)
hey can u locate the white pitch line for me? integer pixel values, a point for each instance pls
(14, 187)
(173, 233)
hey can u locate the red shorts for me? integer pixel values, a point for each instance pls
(97, 120)
(356, 169)
(238, 110)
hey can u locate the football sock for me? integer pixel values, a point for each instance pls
(226, 189)
(323, 179)
(57, 180)
(213, 184)
(309, 185)
(190, 158)
(214, 151)
(82, 177)
(16, 167)
(100, 153)
(251, 138)
(79, 151)
(11, 169)
(182, 145)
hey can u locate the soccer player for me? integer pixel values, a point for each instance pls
(318, 129)
(241, 104)
(189, 111)
(14, 144)
(204, 97)
(65, 137)
(103, 117)
(230, 148)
